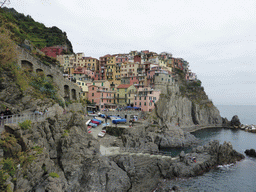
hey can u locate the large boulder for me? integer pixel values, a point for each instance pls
(250, 152)
(235, 121)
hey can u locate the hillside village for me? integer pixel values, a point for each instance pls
(135, 79)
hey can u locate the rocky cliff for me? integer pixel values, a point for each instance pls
(185, 106)
(175, 109)
(59, 155)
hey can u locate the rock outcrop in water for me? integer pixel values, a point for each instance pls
(250, 152)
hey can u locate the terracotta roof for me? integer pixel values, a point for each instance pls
(123, 86)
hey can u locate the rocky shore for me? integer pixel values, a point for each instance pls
(59, 155)
(236, 124)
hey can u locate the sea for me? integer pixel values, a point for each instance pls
(239, 177)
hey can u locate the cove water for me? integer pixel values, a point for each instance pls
(240, 177)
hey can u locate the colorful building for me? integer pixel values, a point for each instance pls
(54, 50)
(146, 98)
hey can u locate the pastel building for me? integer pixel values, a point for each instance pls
(124, 94)
(84, 88)
(81, 73)
(102, 97)
(65, 61)
(146, 98)
(102, 66)
(129, 69)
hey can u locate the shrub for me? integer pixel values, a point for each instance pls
(9, 166)
(25, 124)
(7, 141)
(38, 149)
(52, 174)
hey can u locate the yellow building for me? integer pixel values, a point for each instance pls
(132, 91)
(102, 83)
(65, 61)
(125, 94)
(84, 88)
(129, 69)
(110, 68)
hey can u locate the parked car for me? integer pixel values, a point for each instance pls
(102, 133)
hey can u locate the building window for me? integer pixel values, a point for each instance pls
(140, 104)
(93, 88)
(140, 98)
(92, 100)
(135, 103)
(125, 90)
(145, 104)
(135, 99)
(154, 98)
(101, 101)
(145, 98)
(92, 94)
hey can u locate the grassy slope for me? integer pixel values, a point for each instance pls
(24, 27)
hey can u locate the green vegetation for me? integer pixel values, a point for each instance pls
(24, 27)
(14, 156)
(38, 149)
(65, 134)
(7, 142)
(47, 60)
(192, 90)
(52, 174)
(25, 125)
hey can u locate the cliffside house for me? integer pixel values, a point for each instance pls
(146, 98)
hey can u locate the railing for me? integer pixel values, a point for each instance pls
(15, 119)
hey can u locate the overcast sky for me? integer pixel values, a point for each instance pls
(217, 38)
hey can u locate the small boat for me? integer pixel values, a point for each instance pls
(117, 121)
(93, 124)
(87, 122)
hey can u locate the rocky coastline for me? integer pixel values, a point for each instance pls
(67, 150)
(58, 154)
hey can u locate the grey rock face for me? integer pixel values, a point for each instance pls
(71, 153)
(180, 111)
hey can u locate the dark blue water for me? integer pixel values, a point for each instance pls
(238, 177)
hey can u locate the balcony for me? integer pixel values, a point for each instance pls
(107, 98)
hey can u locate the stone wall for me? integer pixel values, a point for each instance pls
(66, 89)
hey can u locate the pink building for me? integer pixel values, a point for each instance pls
(101, 97)
(54, 50)
(146, 98)
(137, 59)
(81, 73)
(93, 94)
